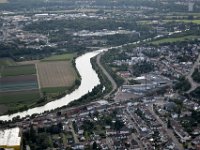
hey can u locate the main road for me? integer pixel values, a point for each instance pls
(114, 85)
(194, 85)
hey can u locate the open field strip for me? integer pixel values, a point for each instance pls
(62, 57)
(184, 21)
(18, 70)
(18, 83)
(7, 62)
(176, 39)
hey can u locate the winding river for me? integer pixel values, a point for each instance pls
(89, 79)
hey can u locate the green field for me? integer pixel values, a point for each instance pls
(16, 98)
(18, 70)
(19, 77)
(7, 62)
(60, 57)
(172, 40)
(184, 21)
(54, 89)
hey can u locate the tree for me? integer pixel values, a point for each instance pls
(94, 146)
(118, 125)
(168, 123)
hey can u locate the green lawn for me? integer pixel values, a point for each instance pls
(172, 40)
(18, 70)
(69, 56)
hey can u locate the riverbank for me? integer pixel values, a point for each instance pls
(89, 81)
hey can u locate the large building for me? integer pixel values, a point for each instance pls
(10, 139)
(191, 6)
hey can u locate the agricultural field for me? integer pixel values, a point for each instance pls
(56, 74)
(18, 99)
(18, 70)
(171, 40)
(22, 84)
(18, 83)
(7, 62)
(67, 57)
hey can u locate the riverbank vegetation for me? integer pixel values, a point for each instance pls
(106, 59)
(196, 75)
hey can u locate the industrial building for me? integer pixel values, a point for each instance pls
(10, 139)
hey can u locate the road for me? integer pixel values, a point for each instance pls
(114, 85)
(194, 85)
(168, 131)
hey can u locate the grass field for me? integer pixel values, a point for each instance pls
(184, 21)
(7, 62)
(56, 74)
(14, 101)
(60, 57)
(54, 89)
(23, 97)
(18, 70)
(171, 40)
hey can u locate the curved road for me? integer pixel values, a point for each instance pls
(114, 85)
(194, 85)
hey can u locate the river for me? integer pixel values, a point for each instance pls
(89, 79)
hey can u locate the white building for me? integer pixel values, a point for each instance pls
(10, 139)
(190, 6)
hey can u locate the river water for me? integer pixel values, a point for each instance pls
(89, 79)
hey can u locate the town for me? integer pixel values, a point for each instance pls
(149, 91)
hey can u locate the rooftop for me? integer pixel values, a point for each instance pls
(10, 137)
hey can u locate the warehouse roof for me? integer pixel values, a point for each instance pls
(10, 137)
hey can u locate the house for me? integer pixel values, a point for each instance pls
(110, 132)
(196, 141)
(178, 129)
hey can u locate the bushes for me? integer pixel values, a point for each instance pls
(196, 75)
(182, 85)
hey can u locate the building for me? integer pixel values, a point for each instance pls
(10, 139)
(190, 6)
